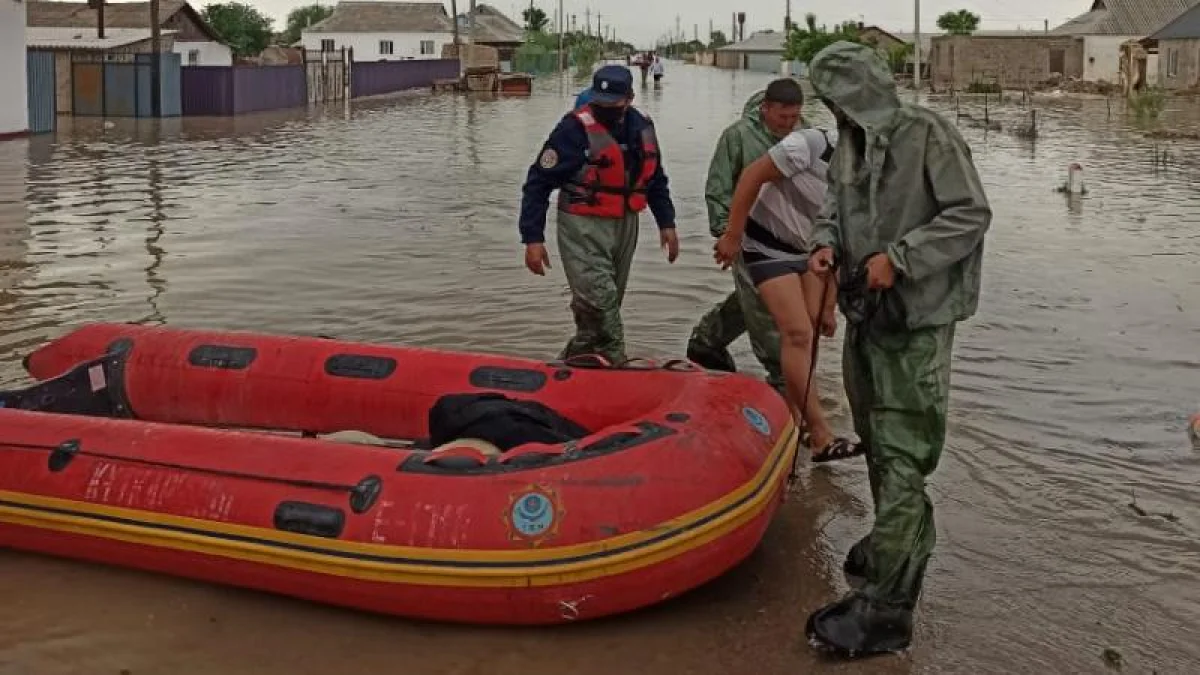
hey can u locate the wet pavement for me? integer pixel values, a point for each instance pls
(1066, 501)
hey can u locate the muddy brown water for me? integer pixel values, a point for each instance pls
(395, 221)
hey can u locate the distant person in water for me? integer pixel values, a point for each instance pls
(644, 64)
(603, 159)
(657, 69)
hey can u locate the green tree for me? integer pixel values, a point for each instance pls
(898, 56)
(243, 28)
(962, 22)
(535, 20)
(302, 17)
(803, 42)
(717, 40)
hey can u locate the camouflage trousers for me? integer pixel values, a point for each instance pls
(742, 311)
(898, 385)
(597, 254)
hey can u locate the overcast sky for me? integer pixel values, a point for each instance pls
(643, 21)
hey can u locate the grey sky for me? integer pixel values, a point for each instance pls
(642, 21)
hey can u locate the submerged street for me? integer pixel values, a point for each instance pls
(1067, 518)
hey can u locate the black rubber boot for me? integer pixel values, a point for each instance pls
(857, 626)
(857, 562)
(711, 359)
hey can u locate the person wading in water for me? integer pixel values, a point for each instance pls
(604, 160)
(904, 222)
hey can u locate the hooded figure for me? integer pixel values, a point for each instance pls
(904, 222)
(742, 311)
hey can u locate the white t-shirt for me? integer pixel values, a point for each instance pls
(657, 67)
(788, 207)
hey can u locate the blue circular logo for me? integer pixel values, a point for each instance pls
(757, 420)
(532, 514)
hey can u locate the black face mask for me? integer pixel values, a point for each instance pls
(610, 118)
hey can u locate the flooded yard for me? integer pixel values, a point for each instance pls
(1067, 508)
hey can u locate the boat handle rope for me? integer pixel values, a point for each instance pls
(362, 494)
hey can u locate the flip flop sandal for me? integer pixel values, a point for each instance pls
(837, 450)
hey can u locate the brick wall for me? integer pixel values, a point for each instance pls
(957, 60)
(1179, 64)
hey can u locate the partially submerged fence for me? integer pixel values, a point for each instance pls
(234, 90)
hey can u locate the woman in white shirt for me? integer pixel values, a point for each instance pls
(771, 218)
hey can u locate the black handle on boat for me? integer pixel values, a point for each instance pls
(363, 494)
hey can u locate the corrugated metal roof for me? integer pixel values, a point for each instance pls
(1125, 17)
(762, 42)
(1184, 27)
(385, 17)
(41, 37)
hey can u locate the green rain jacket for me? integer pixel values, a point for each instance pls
(912, 192)
(740, 145)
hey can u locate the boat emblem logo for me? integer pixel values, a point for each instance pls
(533, 514)
(757, 420)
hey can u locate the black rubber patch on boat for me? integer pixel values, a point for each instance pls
(61, 456)
(364, 494)
(360, 367)
(507, 379)
(311, 519)
(678, 417)
(562, 374)
(222, 356)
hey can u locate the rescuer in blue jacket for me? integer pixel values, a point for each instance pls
(604, 160)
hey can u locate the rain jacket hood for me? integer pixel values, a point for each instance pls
(856, 79)
(905, 186)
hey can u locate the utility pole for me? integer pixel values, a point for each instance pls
(98, 5)
(458, 50)
(598, 31)
(787, 20)
(710, 31)
(587, 20)
(562, 24)
(156, 61)
(917, 48)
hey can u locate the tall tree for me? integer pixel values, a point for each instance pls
(243, 28)
(302, 17)
(803, 42)
(962, 22)
(535, 20)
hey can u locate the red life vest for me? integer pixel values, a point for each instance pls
(603, 188)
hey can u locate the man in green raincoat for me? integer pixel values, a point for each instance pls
(903, 222)
(768, 117)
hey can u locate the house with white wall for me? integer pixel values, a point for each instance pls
(14, 103)
(1111, 23)
(194, 40)
(383, 31)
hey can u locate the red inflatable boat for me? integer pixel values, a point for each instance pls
(208, 455)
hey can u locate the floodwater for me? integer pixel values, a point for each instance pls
(1066, 500)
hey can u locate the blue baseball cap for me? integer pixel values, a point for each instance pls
(612, 84)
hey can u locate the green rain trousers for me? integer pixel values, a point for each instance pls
(898, 384)
(597, 254)
(742, 311)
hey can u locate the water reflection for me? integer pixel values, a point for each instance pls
(397, 223)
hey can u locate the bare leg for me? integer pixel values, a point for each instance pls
(785, 298)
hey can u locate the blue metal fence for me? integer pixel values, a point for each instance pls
(42, 95)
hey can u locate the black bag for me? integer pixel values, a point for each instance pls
(499, 420)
